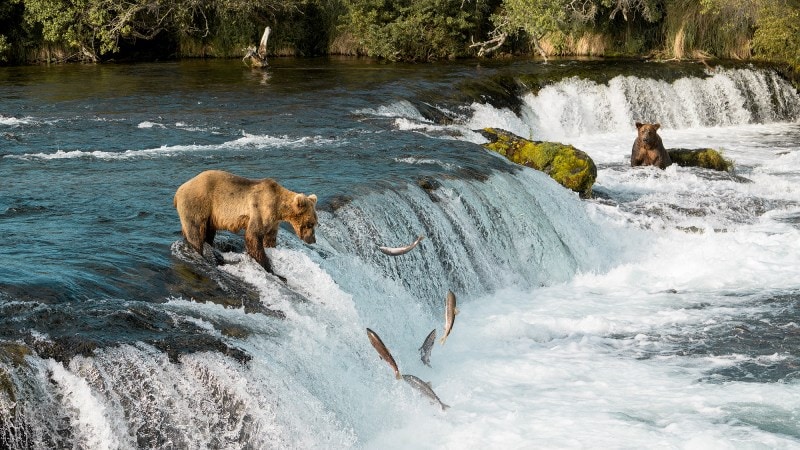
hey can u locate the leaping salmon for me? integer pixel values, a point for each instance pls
(397, 251)
(450, 312)
(427, 345)
(376, 342)
(425, 388)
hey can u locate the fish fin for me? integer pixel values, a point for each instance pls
(444, 407)
(428, 383)
(455, 311)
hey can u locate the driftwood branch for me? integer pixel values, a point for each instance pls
(490, 45)
(497, 38)
(262, 46)
(257, 57)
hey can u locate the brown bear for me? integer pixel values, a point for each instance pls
(217, 200)
(648, 150)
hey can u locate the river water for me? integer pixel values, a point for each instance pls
(663, 312)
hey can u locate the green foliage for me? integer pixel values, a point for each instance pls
(94, 28)
(534, 17)
(560, 20)
(225, 27)
(777, 36)
(412, 30)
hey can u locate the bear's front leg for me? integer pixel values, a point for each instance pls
(271, 238)
(253, 244)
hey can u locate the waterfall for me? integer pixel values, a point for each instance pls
(314, 369)
(576, 106)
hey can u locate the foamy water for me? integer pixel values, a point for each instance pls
(597, 362)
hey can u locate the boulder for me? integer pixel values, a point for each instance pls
(707, 158)
(570, 167)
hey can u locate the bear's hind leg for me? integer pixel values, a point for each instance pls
(194, 234)
(210, 233)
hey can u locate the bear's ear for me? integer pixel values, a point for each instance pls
(300, 201)
(656, 126)
(639, 125)
(313, 198)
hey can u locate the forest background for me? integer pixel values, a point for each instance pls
(48, 31)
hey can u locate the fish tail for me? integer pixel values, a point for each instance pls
(444, 338)
(444, 407)
(398, 376)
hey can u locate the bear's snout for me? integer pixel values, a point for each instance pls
(650, 137)
(306, 234)
(309, 238)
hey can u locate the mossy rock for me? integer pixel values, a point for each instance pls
(570, 167)
(707, 158)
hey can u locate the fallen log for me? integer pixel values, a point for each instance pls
(570, 167)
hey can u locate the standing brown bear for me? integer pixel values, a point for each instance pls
(217, 200)
(648, 150)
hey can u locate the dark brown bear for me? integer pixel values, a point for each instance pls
(648, 150)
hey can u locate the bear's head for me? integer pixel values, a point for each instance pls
(303, 217)
(648, 133)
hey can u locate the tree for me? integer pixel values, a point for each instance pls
(777, 36)
(95, 27)
(413, 30)
(540, 18)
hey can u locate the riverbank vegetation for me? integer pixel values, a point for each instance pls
(35, 31)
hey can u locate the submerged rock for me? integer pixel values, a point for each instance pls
(570, 167)
(706, 158)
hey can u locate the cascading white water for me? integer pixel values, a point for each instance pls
(575, 107)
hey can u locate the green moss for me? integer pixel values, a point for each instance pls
(707, 158)
(570, 167)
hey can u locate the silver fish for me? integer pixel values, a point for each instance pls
(425, 388)
(397, 251)
(450, 312)
(427, 345)
(376, 342)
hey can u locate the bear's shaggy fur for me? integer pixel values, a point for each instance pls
(648, 150)
(217, 200)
